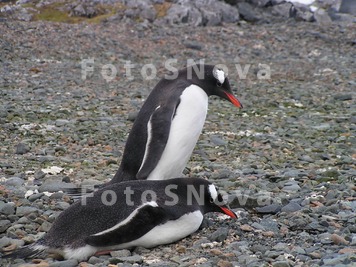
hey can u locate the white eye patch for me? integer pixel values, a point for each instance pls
(219, 75)
(213, 192)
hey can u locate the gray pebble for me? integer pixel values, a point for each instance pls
(281, 264)
(130, 259)
(35, 197)
(120, 253)
(24, 210)
(4, 224)
(21, 149)
(7, 208)
(219, 235)
(65, 263)
(217, 140)
(269, 209)
(291, 207)
(14, 181)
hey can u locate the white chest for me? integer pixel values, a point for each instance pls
(186, 127)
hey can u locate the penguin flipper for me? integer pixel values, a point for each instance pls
(158, 132)
(138, 223)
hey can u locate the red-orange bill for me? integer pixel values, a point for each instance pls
(229, 212)
(234, 100)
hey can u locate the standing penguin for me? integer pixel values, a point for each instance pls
(129, 214)
(169, 123)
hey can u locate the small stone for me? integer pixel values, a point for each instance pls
(120, 253)
(131, 259)
(338, 239)
(219, 235)
(315, 255)
(21, 149)
(7, 208)
(193, 45)
(45, 226)
(181, 249)
(223, 263)
(280, 264)
(269, 209)
(343, 97)
(4, 224)
(246, 228)
(65, 263)
(14, 181)
(347, 251)
(291, 207)
(24, 210)
(132, 116)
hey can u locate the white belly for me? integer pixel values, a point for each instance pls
(185, 130)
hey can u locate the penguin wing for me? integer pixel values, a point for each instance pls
(138, 223)
(158, 128)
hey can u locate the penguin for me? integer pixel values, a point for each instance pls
(169, 123)
(125, 215)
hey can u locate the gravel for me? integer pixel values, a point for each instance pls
(286, 161)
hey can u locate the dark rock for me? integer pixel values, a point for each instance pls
(283, 10)
(348, 6)
(322, 17)
(270, 209)
(302, 12)
(219, 235)
(248, 12)
(21, 149)
(343, 97)
(14, 181)
(217, 140)
(4, 224)
(193, 45)
(132, 116)
(65, 263)
(291, 207)
(7, 208)
(24, 210)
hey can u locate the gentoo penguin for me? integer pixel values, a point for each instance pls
(169, 123)
(124, 215)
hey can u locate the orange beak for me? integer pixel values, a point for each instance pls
(233, 100)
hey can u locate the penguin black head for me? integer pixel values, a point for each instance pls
(214, 81)
(214, 202)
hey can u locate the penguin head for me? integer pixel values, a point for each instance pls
(214, 202)
(214, 82)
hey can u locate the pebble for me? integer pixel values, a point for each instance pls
(291, 207)
(219, 235)
(7, 208)
(21, 149)
(65, 263)
(25, 210)
(4, 224)
(269, 209)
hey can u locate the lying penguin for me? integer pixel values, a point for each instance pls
(125, 215)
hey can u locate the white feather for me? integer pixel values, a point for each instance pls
(213, 192)
(185, 129)
(219, 75)
(81, 253)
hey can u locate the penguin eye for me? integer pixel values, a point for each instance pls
(218, 84)
(211, 200)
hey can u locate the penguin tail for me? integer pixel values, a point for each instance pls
(35, 250)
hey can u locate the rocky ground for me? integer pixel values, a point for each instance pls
(287, 160)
